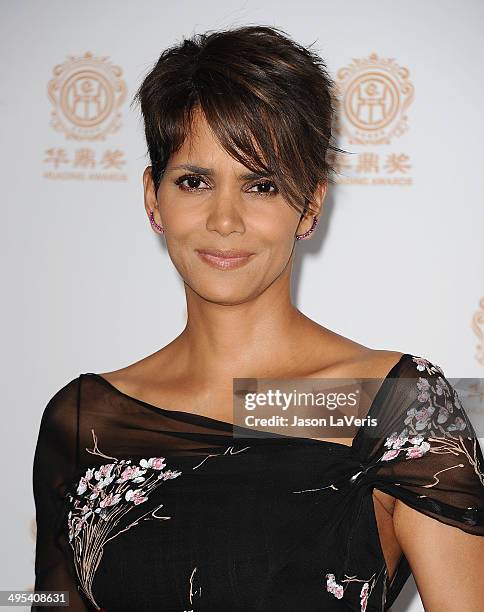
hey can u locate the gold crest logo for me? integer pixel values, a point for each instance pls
(86, 93)
(372, 96)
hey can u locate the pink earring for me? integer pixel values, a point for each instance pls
(154, 224)
(310, 230)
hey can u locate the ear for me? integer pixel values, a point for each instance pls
(306, 221)
(151, 203)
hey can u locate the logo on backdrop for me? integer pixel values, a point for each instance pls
(373, 95)
(87, 94)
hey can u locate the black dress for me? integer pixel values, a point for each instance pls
(146, 509)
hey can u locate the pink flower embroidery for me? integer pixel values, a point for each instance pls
(333, 587)
(75, 525)
(133, 473)
(364, 596)
(338, 590)
(110, 500)
(421, 363)
(156, 463)
(418, 451)
(390, 454)
(432, 393)
(422, 417)
(96, 490)
(168, 474)
(135, 496)
(104, 470)
(423, 386)
(99, 503)
(82, 486)
(396, 441)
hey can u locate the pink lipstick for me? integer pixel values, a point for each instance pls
(224, 259)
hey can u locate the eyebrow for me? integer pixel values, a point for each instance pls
(246, 176)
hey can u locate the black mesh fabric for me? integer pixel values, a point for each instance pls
(144, 508)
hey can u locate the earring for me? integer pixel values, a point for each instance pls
(310, 230)
(154, 224)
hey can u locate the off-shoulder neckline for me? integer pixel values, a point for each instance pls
(192, 416)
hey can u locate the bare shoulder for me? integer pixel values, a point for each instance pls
(363, 362)
(140, 374)
(374, 363)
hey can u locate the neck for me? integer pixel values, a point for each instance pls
(244, 339)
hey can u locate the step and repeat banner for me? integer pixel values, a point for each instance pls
(396, 262)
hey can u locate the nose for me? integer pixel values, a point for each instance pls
(224, 216)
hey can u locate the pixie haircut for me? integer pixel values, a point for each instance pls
(268, 100)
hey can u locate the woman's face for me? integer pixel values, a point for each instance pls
(207, 201)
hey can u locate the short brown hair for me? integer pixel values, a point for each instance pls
(260, 92)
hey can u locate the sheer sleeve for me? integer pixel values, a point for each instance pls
(426, 452)
(54, 465)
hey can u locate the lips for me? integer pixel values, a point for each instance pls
(224, 259)
(227, 253)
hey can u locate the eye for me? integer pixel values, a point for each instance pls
(265, 185)
(193, 182)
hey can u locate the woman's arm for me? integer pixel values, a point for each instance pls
(53, 467)
(447, 563)
(431, 462)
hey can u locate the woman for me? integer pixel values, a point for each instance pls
(145, 498)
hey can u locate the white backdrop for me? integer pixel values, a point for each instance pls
(88, 285)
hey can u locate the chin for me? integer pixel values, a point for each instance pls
(224, 295)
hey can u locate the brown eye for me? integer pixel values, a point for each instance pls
(265, 188)
(192, 180)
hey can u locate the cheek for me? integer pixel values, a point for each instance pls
(182, 222)
(274, 232)
(276, 214)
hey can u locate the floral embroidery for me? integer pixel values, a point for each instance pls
(427, 428)
(107, 492)
(424, 364)
(364, 596)
(103, 496)
(439, 401)
(333, 587)
(338, 589)
(396, 444)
